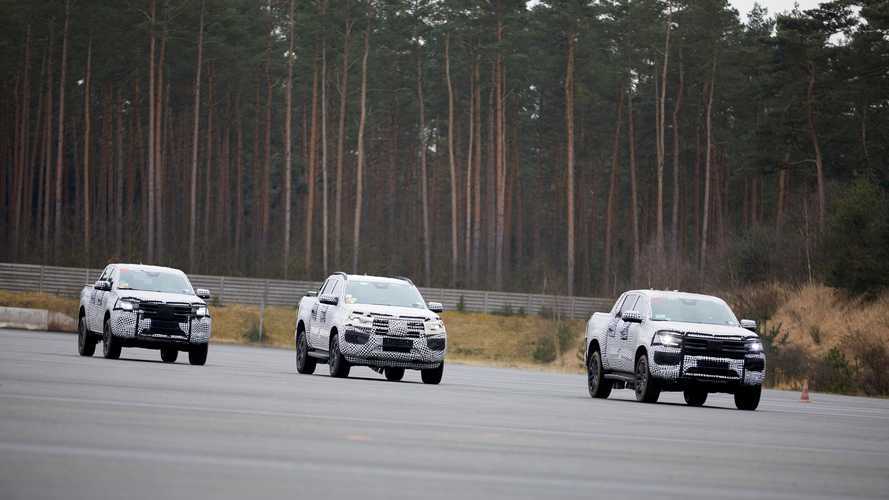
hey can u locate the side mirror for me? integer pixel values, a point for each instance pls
(102, 285)
(203, 293)
(748, 324)
(330, 300)
(632, 316)
(311, 293)
(435, 307)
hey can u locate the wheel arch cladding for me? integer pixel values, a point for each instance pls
(300, 327)
(82, 313)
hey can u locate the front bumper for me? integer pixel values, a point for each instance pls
(130, 325)
(360, 347)
(673, 364)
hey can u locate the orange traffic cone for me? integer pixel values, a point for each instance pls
(804, 397)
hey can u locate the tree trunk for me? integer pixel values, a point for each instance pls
(288, 142)
(119, 177)
(612, 193)
(709, 154)
(159, 152)
(340, 141)
(87, 123)
(208, 174)
(468, 229)
(239, 180)
(59, 193)
(359, 169)
(424, 195)
(477, 194)
(324, 202)
(47, 146)
(660, 143)
(569, 127)
(267, 155)
(311, 181)
(816, 146)
(634, 192)
(452, 164)
(151, 128)
(674, 222)
(193, 192)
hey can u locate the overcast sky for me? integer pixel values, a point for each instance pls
(774, 6)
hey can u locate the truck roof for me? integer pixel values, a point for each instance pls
(145, 267)
(674, 293)
(378, 279)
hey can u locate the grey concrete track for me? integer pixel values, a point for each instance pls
(247, 426)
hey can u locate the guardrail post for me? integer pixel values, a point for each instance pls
(573, 302)
(528, 306)
(485, 308)
(222, 289)
(40, 286)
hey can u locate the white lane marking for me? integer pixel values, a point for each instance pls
(450, 425)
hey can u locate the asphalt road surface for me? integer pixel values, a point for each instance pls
(246, 425)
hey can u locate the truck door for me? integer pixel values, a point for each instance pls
(630, 335)
(621, 333)
(612, 341)
(314, 325)
(328, 312)
(95, 314)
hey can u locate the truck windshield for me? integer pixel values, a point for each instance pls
(150, 280)
(384, 294)
(692, 310)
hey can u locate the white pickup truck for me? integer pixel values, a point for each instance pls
(655, 341)
(383, 323)
(144, 306)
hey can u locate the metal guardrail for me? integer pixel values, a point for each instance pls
(68, 281)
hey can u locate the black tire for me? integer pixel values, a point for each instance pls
(747, 398)
(647, 388)
(110, 346)
(596, 383)
(169, 354)
(432, 375)
(394, 374)
(86, 341)
(197, 355)
(305, 364)
(695, 396)
(338, 365)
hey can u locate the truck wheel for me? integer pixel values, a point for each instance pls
(394, 374)
(695, 397)
(339, 367)
(86, 342)
(747, 398)
(647, 390)
(305, 364)
(596, 383)
(169, 354)
(432, 375)
(198, 355)
(110, 346)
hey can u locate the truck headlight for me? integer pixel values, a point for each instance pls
(754, 346)
(667, 338)
(434, 327)
(360, 320)
(124, 305)
(201, 311)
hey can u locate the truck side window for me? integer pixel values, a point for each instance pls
(323, 289)
(336, 288)
(620, 303)
(629, 304)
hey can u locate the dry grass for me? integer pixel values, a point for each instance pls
(34, 300)
(818, 318)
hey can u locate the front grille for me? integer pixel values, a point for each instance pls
(412, 327)
(718, 347)
(171, 312)
(712, 372)
(397, 345)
